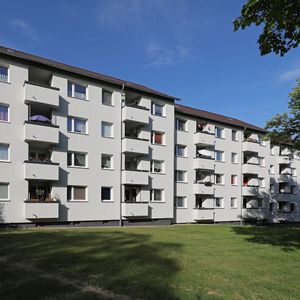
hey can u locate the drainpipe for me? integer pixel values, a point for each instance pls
(241, 210)
(121, 159)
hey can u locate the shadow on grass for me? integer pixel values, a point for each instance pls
(34, 265)
(286, 237)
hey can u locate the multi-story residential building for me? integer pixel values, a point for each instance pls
(78, 147)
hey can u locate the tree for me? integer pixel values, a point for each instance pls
(285, 128)
(281, 19)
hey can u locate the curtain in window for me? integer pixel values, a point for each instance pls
(3, 113)
(158, 138)
(3, 191)
(79, 193)
(3, 152)
(80, 91)
(106, 129)
(79, 125)
(79, 159)
(106, 98)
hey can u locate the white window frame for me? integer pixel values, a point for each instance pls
(111, 97)
(72, 193)
(103, 123)
(8, 112)
(234, 133)
(177, 146)
(221, 177)
(73, 119)
(162, 195)
(111, 194)
(234, 155)
(236, 179)
(8, 152)
(221, 202)
(221, 130)
(222, 156)
(153, 137)
(153, 106)
(184, 202)
(233, 202)
(162, 166)
(73, 94)
(184, 172)
(177, 121)
(73, 159)
(8, 74)
(111, 161)
(8, 192)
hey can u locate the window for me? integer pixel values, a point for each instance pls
(234, 135)
(157, 195)
(107, 129)
(293, 172)
(76, 193)
(219, 155)
(292, 207)
(180, 150)
(219, 179)
(106, 98)
(234, 179)
(77, 91)
(157, 166)
(180, 176)
(4, 194)
(218, 202)
(272, 169)
(106, 193)
(3, 113)
(261, 182)
(180, 125)
(4, 152)
(106, 161)
(272, 189)
(3, 74)
(77, 125)
(234, 158)
(157, 109)
(157, 138)
(77, 159)
(219, 132)
(262, 161)
(180, 202)
(233, 202)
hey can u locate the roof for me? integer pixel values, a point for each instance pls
(45, 62)
(216, 117)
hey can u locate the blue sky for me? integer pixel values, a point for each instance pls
(184, 48)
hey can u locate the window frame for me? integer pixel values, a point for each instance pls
(177, 146)
(162, 195)
(235, 202)
(184, 172)
(111, 97)
(111, 161)
(72, 119)
(8, 112)
(153, 161)
(222, 156)
(221, 130)
(111, 194)
(72, 193)
(8, 152)
(73, 153)
(3, 76)
(221, 203)
(234, 134)
(221, 177)
(153, 109)
(184, 202)
(153, 133)
(234, 180)
(73, 93)
(103, 123)
(177, 121)
(8, 192)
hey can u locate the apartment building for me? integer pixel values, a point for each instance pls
(79, 147)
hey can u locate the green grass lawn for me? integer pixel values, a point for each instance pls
(172, 262)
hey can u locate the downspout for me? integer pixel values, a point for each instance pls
(121, 159)
(241, 210)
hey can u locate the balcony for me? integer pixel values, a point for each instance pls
(136, 177)
(135, 145)
(204, 163)
(41, 210)
(39, 94)
(250, 169)
(285, 178)
(35, 170)
(137, 114)
(39, 132)
(204, 138)
(203, 189)
(254, 190)
(253, 213)
(251, 146)
(135, 209)
(203, 214)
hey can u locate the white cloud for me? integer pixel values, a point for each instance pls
(291, 74)
(25, 28)
(159, 55)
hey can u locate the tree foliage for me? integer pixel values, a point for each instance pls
(280, 20)
(285, 128)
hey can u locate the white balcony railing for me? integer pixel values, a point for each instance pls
(135, 209)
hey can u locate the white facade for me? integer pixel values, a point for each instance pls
(77, 149)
